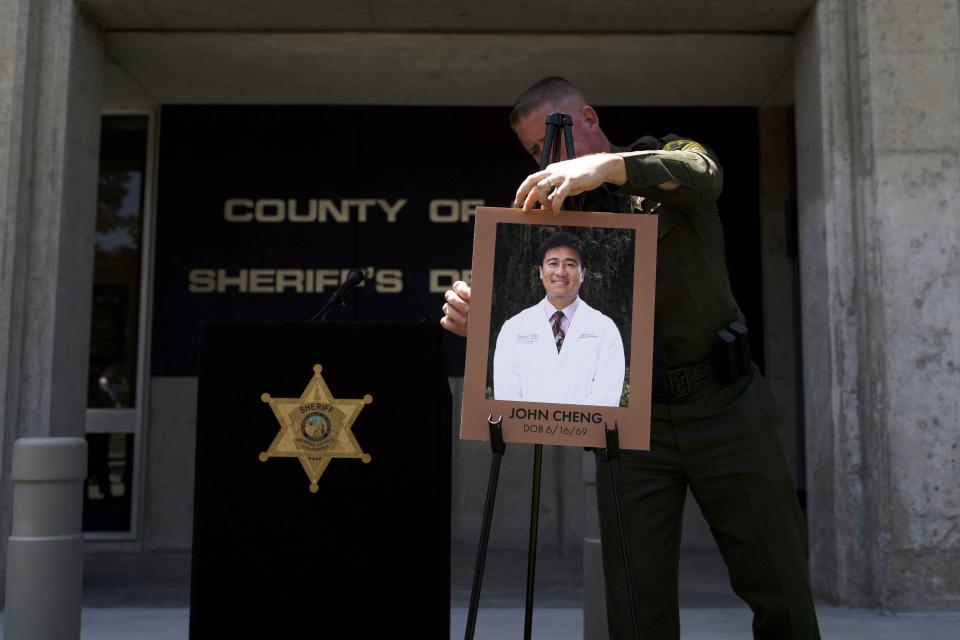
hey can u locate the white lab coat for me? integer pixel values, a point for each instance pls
(589, 368)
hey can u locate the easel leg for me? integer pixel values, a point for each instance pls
(613, 457)
(532, 545)
(498, 447)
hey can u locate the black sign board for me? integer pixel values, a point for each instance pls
(262, 210)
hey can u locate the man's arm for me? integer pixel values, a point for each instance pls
(559, 180)
(697, 177)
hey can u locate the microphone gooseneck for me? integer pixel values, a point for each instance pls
(337, 301)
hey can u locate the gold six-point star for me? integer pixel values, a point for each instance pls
(315, 428)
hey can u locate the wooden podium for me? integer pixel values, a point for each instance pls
(368, 554)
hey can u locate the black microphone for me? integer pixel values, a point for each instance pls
(337, 300)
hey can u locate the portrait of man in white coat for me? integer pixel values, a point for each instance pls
(561, 349)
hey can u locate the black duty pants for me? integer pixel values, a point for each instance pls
(724, 447)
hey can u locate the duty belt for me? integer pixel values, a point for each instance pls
(685, 381)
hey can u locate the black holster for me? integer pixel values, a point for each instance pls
(731, 356)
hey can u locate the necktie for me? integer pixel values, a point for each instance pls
(557, 329)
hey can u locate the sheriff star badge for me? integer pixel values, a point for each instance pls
(315, 428)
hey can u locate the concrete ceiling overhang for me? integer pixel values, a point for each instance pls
(498, 16)
(468, 69)
(665, 52)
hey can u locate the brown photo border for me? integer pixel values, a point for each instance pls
(633, 421)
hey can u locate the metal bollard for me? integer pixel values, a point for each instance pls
(45, 550)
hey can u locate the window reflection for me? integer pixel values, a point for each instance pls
(116, 288)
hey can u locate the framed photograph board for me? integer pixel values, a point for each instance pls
(561, 327)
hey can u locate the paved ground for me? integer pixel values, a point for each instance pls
(717, 624)
(565, 624)
(136, 600)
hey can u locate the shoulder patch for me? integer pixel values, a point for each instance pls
(684, 145)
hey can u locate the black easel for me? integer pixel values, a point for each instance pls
(559, 128)
(498, 447)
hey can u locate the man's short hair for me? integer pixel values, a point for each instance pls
(563, 239)
(550, 89)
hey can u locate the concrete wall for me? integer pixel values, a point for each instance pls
(780, 281)
(878, 130)
(171, 439)
(50, 98)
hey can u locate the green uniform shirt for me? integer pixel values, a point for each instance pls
(693, 300)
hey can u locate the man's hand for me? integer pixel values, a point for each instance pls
(559, 180)
(456, 310)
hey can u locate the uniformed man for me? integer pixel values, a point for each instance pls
(716, 437)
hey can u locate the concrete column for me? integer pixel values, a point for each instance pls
(594, 589)
(50, 86)
(877, 88)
